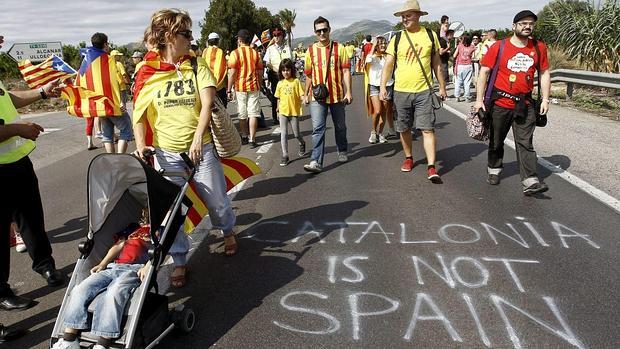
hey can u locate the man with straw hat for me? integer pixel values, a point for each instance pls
(413, 83)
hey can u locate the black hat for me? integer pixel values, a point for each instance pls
(523, 14)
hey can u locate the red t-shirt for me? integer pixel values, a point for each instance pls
(136, 246)
(367, 47)
(516, 68)
(465, 53)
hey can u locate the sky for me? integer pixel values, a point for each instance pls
(124, 21)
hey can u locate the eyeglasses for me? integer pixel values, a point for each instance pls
(186, 34)
(322, 31)
(526, 24)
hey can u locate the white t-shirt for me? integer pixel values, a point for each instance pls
(376, 67)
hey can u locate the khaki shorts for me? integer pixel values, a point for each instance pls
(414, 108)
(248, 105)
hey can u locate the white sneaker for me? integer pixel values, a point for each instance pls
(63, 344)
(19, 243)
(313, 167)
(342, 157)
(382, 138)
(98, 346)
(373, 138)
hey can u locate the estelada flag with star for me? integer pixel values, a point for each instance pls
(151, 73)
(49, 70)
(96, 91)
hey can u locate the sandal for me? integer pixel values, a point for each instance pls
(231, 250)
(178, 281)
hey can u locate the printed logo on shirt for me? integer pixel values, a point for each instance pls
(520, 63)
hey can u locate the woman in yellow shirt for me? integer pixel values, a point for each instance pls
(175, 103)
(289, 94)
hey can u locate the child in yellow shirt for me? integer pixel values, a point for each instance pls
(290, 94)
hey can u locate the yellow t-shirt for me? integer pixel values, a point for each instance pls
(289, 93)
(175, 109)
(120, 72)
(408, 76)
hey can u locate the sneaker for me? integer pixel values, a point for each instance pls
(373, 138)
(284, 161)
(342, 157)
(63, 344)
(302, 149)
(535, 189)
(433, 176)
(99, 135)
(19, 243)
(253, 144)
(382, 139)
(407, 165)
(313, 167)
(391, 135)
(98, 346)
(493, 179)
(244, 140)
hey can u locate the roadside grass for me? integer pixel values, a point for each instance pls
(598, 101)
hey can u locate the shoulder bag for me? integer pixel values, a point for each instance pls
(436, 101)
(226, 138)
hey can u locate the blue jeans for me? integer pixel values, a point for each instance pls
(117, 282)
(463, 79)
(211, 186)
(318, 111)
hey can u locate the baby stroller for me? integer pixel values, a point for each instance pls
(119, 187)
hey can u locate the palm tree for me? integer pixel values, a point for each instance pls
(287, 20)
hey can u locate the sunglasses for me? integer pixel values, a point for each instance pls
(322, 31)
(186, 33)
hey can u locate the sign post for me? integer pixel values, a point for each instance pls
(35, 51)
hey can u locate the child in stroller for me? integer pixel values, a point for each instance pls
(116, 276)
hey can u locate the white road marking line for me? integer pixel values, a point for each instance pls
(566, 175)
(263, 149)
(276, 131)
(50, 130)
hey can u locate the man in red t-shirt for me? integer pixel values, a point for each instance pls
(367, 46)
(512, 104)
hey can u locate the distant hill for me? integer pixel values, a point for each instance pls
(348, 33)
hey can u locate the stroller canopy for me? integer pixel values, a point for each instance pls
(110, 176)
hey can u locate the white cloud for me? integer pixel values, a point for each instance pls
(124, 20)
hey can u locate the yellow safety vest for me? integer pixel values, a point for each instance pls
(16, 147)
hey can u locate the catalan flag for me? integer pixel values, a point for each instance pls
(256, 41)
(49, 70)
(150, 74)
(96, 91)
(265, 36)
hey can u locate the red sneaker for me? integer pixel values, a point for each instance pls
(407, 165)
(433, 176)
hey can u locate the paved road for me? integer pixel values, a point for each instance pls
(363, 255)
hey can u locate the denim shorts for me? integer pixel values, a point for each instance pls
(374, 91)
(123, 123)
(414, 108)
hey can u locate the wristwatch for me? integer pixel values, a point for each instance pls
(42, 92)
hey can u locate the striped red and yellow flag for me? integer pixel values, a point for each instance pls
(149, 74)
(49, 70)
(96, 91)
(236, 170)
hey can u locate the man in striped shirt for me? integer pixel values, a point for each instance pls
(338, 82)
(245, 72)
(216, 61)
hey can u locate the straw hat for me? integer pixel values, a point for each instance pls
(410, 5)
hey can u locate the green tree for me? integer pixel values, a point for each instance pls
(72, 55)
(227, 17)
(287, 20)
(591, 37)
(546, 27)
(8, 67)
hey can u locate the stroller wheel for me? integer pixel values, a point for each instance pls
(186, 320)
